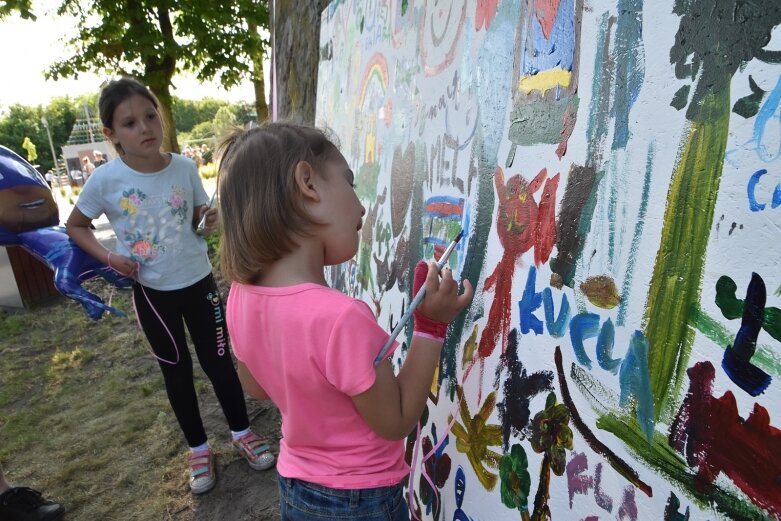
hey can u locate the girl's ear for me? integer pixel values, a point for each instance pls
(304, 177)
(109, 134)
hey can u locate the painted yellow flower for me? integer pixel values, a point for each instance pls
(475, 436)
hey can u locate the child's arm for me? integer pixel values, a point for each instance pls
(249, 384)
(394, 404)
(78, 230)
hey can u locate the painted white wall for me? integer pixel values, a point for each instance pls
(397, 74)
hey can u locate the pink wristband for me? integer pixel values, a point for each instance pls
(421, 334)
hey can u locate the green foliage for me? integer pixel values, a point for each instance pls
(151, 40)
(23, 7)
(222, 37)
(61, 114)
(203, 130)
(22, 121)
(213, 249)
(245, 113)
(224, 121)
(189, 113)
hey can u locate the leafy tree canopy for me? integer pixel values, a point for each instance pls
(189, 113)
(210, 38)
(23, 7)
(152, 40)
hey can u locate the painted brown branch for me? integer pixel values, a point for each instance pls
(541, 510)
(597, 446)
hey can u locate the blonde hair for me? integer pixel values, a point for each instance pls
(260, 207)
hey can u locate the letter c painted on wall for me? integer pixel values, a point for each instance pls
(755, 206)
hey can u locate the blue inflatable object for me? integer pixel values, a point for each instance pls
(29, 218)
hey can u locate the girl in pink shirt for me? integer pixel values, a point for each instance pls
(289, 210)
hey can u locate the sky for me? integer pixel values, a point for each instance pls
(27, 48)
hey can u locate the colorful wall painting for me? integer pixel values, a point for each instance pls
(616, 165)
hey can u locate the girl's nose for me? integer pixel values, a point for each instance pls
(363, 210)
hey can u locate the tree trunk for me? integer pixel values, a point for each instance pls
(680, 262)
(258, 80)
(541, 511)
(158, 73)
(297, 50)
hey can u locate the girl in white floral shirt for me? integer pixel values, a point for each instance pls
(154, 202)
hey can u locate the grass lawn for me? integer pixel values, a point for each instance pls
(84, 418)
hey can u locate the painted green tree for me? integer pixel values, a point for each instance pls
(550, 436)
(155, 39)
(714, 39)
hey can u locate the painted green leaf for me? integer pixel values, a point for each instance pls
(515, 479)
(748, 106)
(731, 307)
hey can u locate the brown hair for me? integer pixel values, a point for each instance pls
(117, 91)
(260, 210)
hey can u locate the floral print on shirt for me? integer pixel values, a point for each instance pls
(131, 200)
(143, 248)
(178, 204)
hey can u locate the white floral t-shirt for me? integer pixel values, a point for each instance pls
(152, 215)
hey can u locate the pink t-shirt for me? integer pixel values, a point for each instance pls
(311, 348)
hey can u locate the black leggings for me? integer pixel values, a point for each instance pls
(200, 305)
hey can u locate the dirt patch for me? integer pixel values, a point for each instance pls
(241, 493)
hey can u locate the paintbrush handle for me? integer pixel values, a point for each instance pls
(202, 223)
(414, 304)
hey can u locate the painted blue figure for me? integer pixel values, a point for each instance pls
(29, 217)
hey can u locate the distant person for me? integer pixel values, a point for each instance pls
(77, 177)
(26, 504)
(49, 178)
(310, 348)
(86, 168)
(99, 159)
(206, 154)
(154, 201)
(197, 157)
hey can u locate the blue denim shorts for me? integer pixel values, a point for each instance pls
(303, 501)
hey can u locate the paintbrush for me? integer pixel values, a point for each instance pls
(416, 301)
(202, 224)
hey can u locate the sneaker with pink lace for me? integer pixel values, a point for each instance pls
(255, 450)
(202, 475)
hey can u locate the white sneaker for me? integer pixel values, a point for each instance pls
(202, 476)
